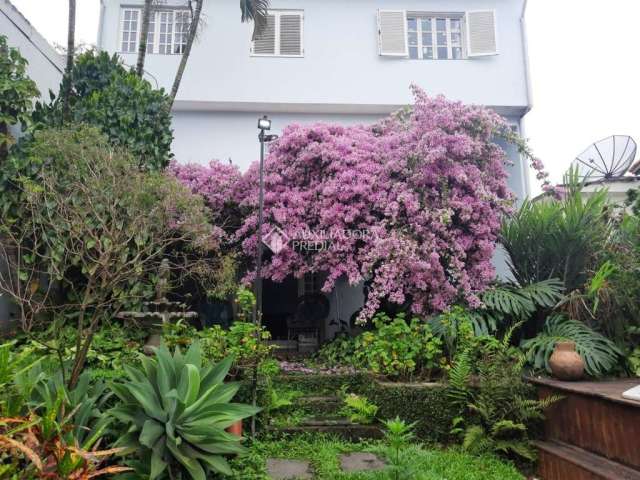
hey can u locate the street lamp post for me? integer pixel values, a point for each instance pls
(264, 125)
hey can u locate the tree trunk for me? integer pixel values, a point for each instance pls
(144, 33)
(71, 47)
(193, 29)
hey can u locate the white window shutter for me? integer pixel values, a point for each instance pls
(291, 34)
(265, 43)
(482, 36)
(392, 33)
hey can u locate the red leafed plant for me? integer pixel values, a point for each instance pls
(42, 447)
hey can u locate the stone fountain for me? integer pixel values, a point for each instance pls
(158, 312)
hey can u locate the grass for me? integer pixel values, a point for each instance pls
(416, 462)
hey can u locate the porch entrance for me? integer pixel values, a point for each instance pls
(295, 313)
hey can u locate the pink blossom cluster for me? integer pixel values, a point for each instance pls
(218, 184)
(427, 184)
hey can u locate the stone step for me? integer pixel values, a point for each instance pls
(561, 461)
(338, 426)
(319, 405)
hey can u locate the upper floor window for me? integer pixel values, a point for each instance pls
(282, 35)
(168, 30)
(130, 32)
(435, 37)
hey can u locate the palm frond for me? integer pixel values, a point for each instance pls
(256, 11)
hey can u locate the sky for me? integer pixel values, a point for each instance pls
(583, 54)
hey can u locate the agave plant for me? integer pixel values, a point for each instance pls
(176, 411)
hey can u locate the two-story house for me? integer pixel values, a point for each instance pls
(347, 61)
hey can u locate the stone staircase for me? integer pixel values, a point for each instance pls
(592, 433)
(321, 415)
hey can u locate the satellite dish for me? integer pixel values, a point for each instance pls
(609, 158)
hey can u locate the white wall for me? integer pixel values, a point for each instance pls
(341, 65)
(203, 136)
(45, 65)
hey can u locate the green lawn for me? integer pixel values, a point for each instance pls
(417, 463)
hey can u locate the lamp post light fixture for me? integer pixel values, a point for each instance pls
(264, 124)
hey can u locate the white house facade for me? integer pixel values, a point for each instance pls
(324, 60)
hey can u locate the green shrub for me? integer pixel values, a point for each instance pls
(243, 341)
(83, 214)
(125, 107)
(175, 411)
(497, 411)
(395, 348)
(16, 93)
(558, 238)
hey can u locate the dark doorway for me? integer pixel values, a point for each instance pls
(280, 302)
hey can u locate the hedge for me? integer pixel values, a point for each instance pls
(426, 404)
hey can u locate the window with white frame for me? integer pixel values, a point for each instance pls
(182, 22)
(168, 30)
(165, 33)
(130, 30)
(435, 37)
(151, 35)
(282, 36)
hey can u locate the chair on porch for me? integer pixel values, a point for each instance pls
(306, 325)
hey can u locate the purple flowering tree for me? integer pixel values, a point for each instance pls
(411, 205)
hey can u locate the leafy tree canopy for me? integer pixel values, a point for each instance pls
(126, 108)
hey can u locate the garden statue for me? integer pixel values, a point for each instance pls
(162, 287)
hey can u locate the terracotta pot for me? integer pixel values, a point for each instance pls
(236, 429)
(566, 363)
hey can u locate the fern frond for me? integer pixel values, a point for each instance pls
(507, 427)
(459, 375)
(475, 439)
(521, 448)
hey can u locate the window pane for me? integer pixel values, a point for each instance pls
(443, 53)
(427, 39)
(456, 39)
(413, 38)
(457, 53)
(127, 14)
(441, 24)
(413, 52)
(427, 53)
(442, 38)
(413, 24)
(426, 24)
(455, 25)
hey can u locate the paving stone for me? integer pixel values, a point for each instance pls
(283, 469)
(360, 462)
